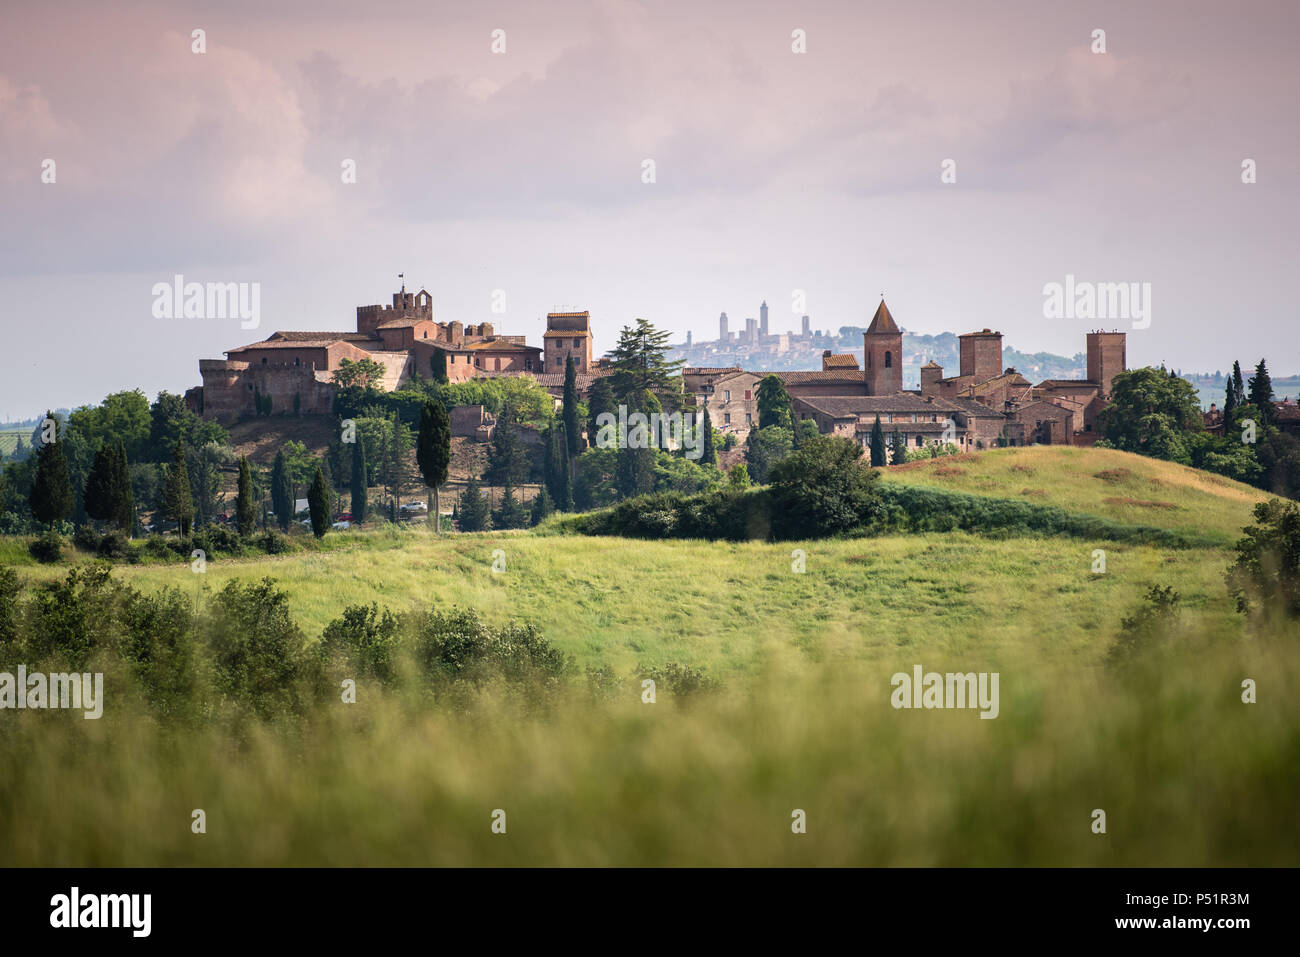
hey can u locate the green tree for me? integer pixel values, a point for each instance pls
(1150, 413)
(98, 494)
(764, 448)
(600, 401)
(359, 479)
(245, 512)
(364, 374)
(898, 453)
(572, 426)
(709, 456)
(473, 510)
(823, 488)
(318, 503)
(640, 361)
(282, 498)
(177, 502)
(433, 452)
(507, 463)
(1238, 385)
(511, 513)
(1267, 568)
(543, 506)
(774, 407)
(738, 477)
(51, 498)
(1229, 405)
(1260, 393)
(878, 455)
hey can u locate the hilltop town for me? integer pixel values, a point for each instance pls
(984, 405)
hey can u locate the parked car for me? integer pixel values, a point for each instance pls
(341, 525)
(415, 507)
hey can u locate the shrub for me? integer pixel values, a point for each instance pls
(46, 548)
(1149, 624)
(158, 643)
(115, 546)
(256, 647)
(367, 640)
(1267, 568)
(274, 543)
(157, 547)
(85, 539)
(823, 488)
(680, 680)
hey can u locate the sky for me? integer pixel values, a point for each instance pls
(812, 179)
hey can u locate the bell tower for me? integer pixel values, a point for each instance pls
(883, 354)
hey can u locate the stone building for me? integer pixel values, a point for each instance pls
(567, 334)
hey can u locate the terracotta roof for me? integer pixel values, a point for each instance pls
(888, 427)
(498, 345)
(983, 333)
(405, 321)
(292, 344)
(932, 365)
(883, 322)
(1067, 383)
(842, 360)
(709, 370)
(327, 335)
(846, 406)
(826, 376)
(565, 333)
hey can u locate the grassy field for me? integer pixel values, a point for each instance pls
(1186, 772)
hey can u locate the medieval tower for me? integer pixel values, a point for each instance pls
(883, 354)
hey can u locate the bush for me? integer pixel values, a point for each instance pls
(274, 543)
(157, 547)
(365, 639)
(116, 547)
(256, 647)
(1267, 568)
(47, 548)
(680, 680)
(85, 539)
(823, 488)
(1149, 624)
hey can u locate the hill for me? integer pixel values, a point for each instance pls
(1117, 485)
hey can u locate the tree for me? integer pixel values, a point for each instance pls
(512, 513)
(877, 444)
(364, 374)
(709, 456)
(764, 448)
(245, 513)
(543, 506)
(640, 360)
(473, 510)
(177, 502)
(1238, 385)
(51, 498)
(572, 427)
(438, 366)
(899, 453)
(433, 452)
(822, 489)
(318, 502)
(1260, 393)
(601, 400)
(1229, 405)
(1267, 568)
(1150, 412)
(98, 494)
(282, 499)
(359, 481)
(738, 477)
(774, 407)
(507, 461)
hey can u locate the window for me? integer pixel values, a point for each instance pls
(263, 360)
(749, 419)
(528, 365)
(919, 441)
(559, 360)
(748, 396)
(889, 360)
(297, 361)
(726, 393)
(726, 418)
(577, 343)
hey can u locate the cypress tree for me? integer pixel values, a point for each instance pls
(899, 455)
(473, 511)
(710, 455)
(569, 410)
(245, 515)
(177, 502)
(512, 513)
(123, 497)
(359, 488)
(543, 506)
(434, 452)
(564, 500)
(1229, 404)
(1238, 385)
(51, 497)
(281, 491)
(877, 444)
(98, 493)
(1261, 393)
(318, 502)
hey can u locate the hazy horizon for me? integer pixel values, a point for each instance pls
(776, 172)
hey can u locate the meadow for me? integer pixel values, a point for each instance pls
(801, 719)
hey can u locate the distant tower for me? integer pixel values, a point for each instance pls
(980, 354)
(688, 338)
(807, 327)
(762, 319)
(723, 335)
(751, 330)
(1106, 358)
(883, 351)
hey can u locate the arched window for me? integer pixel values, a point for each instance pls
(889, 359)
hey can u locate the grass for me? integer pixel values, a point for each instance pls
(1186, 772)
(1117, 485)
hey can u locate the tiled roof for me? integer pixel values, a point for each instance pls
(888, 427)
(848, 406)
(932, 365)
(827, 376)
(842, 360)
(564, 333)
(709, 370)
(1067, 383)
(568, 321)
(294, 344)
(498, 345)
(326, 336)
(403, 322)
(977, 409)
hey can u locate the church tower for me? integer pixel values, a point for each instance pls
(883, 354)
